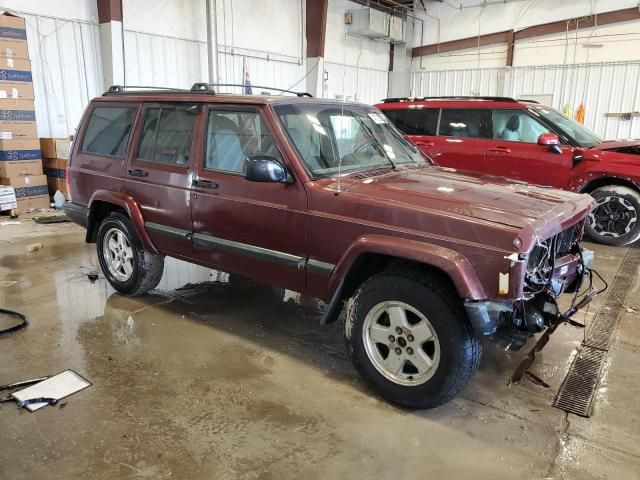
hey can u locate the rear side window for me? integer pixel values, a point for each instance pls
(108, 131)
(167, 133)
(463, 122)
(414, 121)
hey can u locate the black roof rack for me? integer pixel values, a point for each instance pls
(208, 88)
(527, 100)
(419, 99)
(133, 89)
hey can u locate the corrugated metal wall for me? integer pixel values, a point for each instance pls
(602, 87)
(67, 70)
(457, 82)
(166, 61)
(365, 85)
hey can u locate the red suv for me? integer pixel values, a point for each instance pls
(526, 141)
(327, 198)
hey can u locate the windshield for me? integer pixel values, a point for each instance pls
(582, 136)
(339, 139)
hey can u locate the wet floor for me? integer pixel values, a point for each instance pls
(213, 376)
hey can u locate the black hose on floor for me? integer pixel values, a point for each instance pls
(20, 326)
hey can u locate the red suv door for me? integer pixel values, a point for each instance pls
(513, 150)
(158, 175)
(240, 225)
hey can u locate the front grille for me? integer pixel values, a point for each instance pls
(566, 239)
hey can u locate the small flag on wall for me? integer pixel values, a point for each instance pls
(245, 75)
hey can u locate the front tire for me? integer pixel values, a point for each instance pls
(408, 336)
(127, 266)
(615, 220)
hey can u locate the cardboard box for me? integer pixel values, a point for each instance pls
(13, 37)
(7, 199)
(32, 192)
(20, 157)
(16, 80)
(56, 171)
(55, 147)
(17, 119)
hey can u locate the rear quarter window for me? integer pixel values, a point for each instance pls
(108, 131)
(415, 121)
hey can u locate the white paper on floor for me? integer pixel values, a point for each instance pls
(59, 386)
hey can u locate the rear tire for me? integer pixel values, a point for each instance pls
(615, 220)
(418, 359)
(127, 266)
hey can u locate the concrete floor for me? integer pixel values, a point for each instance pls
(212, 377)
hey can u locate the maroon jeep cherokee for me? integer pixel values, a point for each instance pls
(327, 198)
(533, 143)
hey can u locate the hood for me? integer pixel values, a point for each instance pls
(622, 146)
(476, 196)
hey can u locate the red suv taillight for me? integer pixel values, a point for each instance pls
(67, 181)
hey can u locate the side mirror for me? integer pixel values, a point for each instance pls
(550, 140)
(266, 169)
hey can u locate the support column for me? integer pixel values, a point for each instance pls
(212, 40)
(316, 22)
(400, 65)
(111, 42)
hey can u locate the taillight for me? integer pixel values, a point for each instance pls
(67, 181)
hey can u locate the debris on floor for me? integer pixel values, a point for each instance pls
(58, 218)
(34, 247)
(50, 390)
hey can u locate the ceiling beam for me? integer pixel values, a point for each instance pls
(561, 26)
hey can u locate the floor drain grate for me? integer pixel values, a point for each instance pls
(579, 386)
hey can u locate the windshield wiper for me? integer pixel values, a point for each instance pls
(375, 142)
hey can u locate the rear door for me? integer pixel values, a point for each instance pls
(461, 138)
(99, 161)
(158, 175)
(254, 228)
(513, 150)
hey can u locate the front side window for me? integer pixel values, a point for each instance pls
(167, 133)
(414, 120)
(516, 126)
(581, 135)
(334, 139)
(461, 122)
(235, 135)
(108, 131)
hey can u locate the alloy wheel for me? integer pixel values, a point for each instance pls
(401, 343)
(118, 254)
(613, 216)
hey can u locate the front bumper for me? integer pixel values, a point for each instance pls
(487, 316)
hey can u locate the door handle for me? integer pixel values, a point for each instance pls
(137, 172)
(198, 182)
(425, 144)
(500, 150)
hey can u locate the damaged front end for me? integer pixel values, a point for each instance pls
(535, 280)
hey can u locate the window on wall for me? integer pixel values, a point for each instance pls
(414, 121)
(108, 131)
(463, 122)
(234, 136)
(167, 133)
(516, 126)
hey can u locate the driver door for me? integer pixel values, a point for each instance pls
(512, 151)
(252, 228)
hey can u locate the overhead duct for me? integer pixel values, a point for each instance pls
(375, 25)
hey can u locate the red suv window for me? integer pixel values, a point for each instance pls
(415, 121)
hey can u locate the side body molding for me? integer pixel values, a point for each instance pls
(129, 205)
(456, 266)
